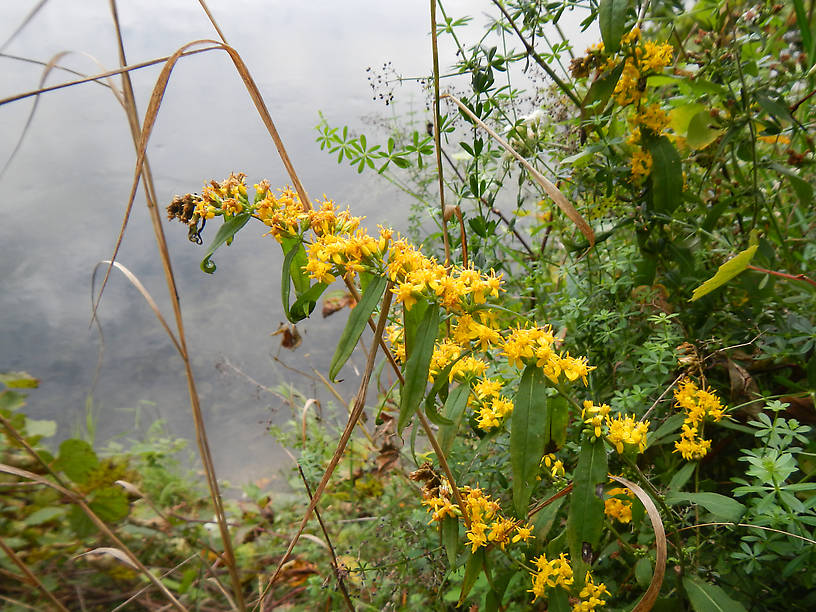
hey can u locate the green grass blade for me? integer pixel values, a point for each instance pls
(356, 323)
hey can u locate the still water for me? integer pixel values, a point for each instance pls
(64, 195)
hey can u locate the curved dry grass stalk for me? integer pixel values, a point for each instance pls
(650, 596)
(359, 406)
(134, 280)
(551, 190)
(49, 66)
(100, 524)
(23, 23)
(304, 411)
(749, 525)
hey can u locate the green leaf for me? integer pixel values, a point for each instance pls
(666, 177)
(601, 89)
(556, 427)
(77, 459)
(803, 23)
(775, 108)
(725, 272)
(473, 568)
(700, 134)
(11, 400)
(411, 321)
(44, 515)
(418, 364)
(110, 504)
(586, 511)
(528, 426)
(681, 476)
(19, 380)
(450, 538)
(225, 233)
(41, 428)
(719, 505)
(707, 597)
(643, 572)
(455, 412)
(669, 426)
(612, 21)
(358, 318)
(680, 117)
(306, 303)
(558, 601)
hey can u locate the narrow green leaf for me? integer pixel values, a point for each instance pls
(681, 476)
(601, 90)
(358, 317)
(643, 572)
(666, 178)
(558, 601)
(719, 505)
(707, 597)
(306, 303)
(528, 427)
(725, 272)
(418, 364)
(586, 510)
(225, 233)
(612, 21)
(473, 568)
(556, 426)
(300, 279)
(77, 459)
(411, 321)
(44, 515)
(455, 412)
(286, 279)
(803, 22)
(19, 380)
(450, 538)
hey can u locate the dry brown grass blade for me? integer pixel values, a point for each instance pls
(436, 134)
(142, 171)
(100, 524)
(24, 23)
(212, 21)
(309, 402)
(32, 577)
(650, 596)
(49, 66)
(359, 405)
(555, 194)
(134, 280)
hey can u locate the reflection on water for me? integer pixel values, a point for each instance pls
(64, 195)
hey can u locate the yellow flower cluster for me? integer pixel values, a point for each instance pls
(554, 573)
(627, 430)
(697, 404)
(229, 197)
(487, 525)
(553, 464)
(619, 430)
(535, 345)
(642, 59)
(617, 508)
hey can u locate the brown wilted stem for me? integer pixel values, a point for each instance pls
(800, 277)
(437, 136)
(335, 566)
(359, 406)
(32, 578)
(443, 462)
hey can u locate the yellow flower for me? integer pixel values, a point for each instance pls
(616, 508)
(627, 430)
(641, 164)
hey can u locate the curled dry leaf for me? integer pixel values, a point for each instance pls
(290, 336)
(335, 303)
(105, 556)
(650, 596)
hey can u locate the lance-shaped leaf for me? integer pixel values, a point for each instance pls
(225, 234)
(450, 538)
(601, 90)
(612, 22)
(528, 429)
(358, 317)
(473, 568)
(306, 302)
(418, 364)
(666, 178)
(725, 272)
(454, 412)
(707, 597)
(586, 511)
(720, 506)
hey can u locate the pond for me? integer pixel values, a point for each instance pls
(65, 191)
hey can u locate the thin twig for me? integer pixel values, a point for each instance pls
(335, 566)
(800, 277)
(787, 533)
(32, 578)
